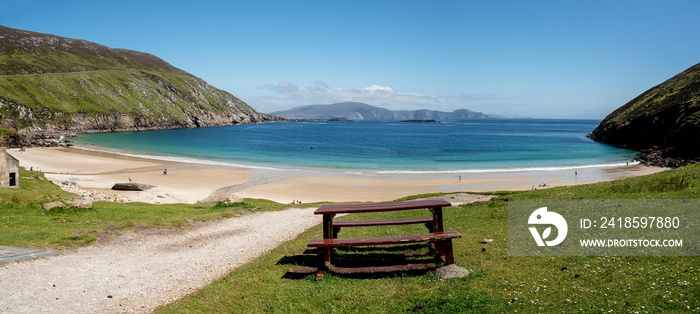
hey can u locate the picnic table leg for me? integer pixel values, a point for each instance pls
(430, 226)
(335, 232)
(437, 220)
(444, 249)
(328, 226)
(323, 257)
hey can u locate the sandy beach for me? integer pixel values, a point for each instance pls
(190, 182)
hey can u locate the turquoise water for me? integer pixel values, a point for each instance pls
(379, 146)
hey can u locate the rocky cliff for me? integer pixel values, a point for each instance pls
(51, 85)
(663, 122)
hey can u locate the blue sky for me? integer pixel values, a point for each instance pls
(546, 59)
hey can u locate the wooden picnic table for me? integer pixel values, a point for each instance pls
(438, 238)
(329, 212)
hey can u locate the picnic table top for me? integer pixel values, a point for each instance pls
(366, 208)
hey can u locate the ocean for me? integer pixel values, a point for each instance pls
(479, 145)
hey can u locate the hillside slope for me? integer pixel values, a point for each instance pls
(362, 111)
(52, 85)
(664, 121)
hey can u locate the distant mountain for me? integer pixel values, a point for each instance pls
(664, 121)
(362, 111)
(52, 85)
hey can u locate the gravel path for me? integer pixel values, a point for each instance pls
(137, 272)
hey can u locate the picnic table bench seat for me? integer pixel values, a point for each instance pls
(441, 241)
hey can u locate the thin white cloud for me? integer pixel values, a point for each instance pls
(377, 95)
(286, 95)
(282, 87)
(410, 94)
(378, 88)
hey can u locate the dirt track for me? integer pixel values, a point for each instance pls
(137, 272)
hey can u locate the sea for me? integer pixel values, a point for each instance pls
(464, 146)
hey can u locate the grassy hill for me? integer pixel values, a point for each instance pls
(665, 118)
(51, 84)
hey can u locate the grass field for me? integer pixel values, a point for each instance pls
(24, 223)
(497, 283)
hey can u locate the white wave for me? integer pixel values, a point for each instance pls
(506, 170)
(367, 171)
(189, 160)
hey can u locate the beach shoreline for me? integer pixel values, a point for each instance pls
(192, 182)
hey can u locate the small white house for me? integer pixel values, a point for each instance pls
(9, 170)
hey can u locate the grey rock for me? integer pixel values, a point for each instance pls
(131, 186)
(52, 205)
(230, 199)
(451, 271)
(81, 204)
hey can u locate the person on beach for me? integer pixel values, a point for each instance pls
(165, 171)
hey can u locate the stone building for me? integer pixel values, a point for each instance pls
(9, 170)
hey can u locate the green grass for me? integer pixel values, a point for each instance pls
(497, 283)
(24, 223)
(104, 91)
